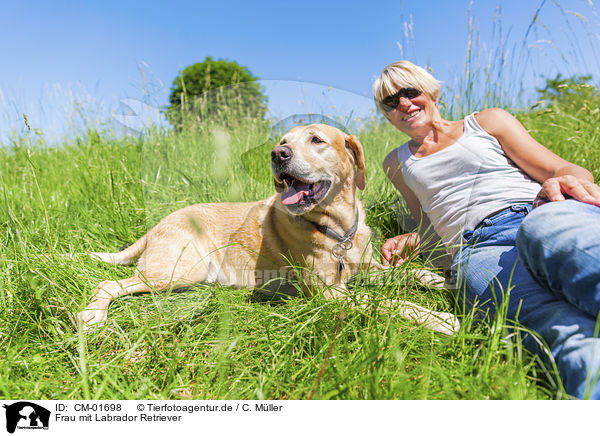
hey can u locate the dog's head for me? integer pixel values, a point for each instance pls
(312, 164)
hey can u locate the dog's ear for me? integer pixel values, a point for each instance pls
(355, 146)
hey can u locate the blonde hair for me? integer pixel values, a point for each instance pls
(405, 74)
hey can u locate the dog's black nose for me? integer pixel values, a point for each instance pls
(281, 154)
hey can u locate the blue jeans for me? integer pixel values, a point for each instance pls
(549, 259)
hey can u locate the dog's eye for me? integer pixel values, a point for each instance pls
(316, 140)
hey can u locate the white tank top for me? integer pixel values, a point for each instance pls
(465, 182)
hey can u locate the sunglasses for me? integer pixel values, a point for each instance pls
(391, 102)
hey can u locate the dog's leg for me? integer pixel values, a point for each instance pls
(97, 310)
(442, 322)
(429, 278)
(423, 275)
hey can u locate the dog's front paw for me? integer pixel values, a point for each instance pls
(91, 315)
(429, 278)
(444, 322)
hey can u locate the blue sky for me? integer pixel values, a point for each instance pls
(57, 55)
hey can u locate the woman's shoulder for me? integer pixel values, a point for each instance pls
(391, 160)
(396, 157)
(493, 120)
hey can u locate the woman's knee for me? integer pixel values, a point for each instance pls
(558, 227)
(548, 220)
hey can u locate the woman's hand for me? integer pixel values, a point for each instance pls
(555, 189)
(398, 249)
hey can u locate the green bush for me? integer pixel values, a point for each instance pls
(215, 89)
(568, 94)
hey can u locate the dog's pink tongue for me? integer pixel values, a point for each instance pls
(295, 193)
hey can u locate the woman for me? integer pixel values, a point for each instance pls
(476, 181)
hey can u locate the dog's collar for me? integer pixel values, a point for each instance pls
(344, 243)
(328, 231)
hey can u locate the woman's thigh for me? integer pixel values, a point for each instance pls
(492, 276)
(488, 269)
(559, 244)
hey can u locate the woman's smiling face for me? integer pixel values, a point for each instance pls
(413, 115)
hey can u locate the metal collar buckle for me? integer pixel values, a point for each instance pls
(339, 250)
(344, 243)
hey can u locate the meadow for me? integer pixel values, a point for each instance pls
(98, 191)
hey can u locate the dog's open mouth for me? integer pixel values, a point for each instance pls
(302, 194)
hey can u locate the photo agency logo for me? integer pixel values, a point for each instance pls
(26, 416)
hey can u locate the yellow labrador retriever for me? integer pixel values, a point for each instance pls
(314, 222)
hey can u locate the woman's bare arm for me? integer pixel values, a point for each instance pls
(399, 248)
(557, 176)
